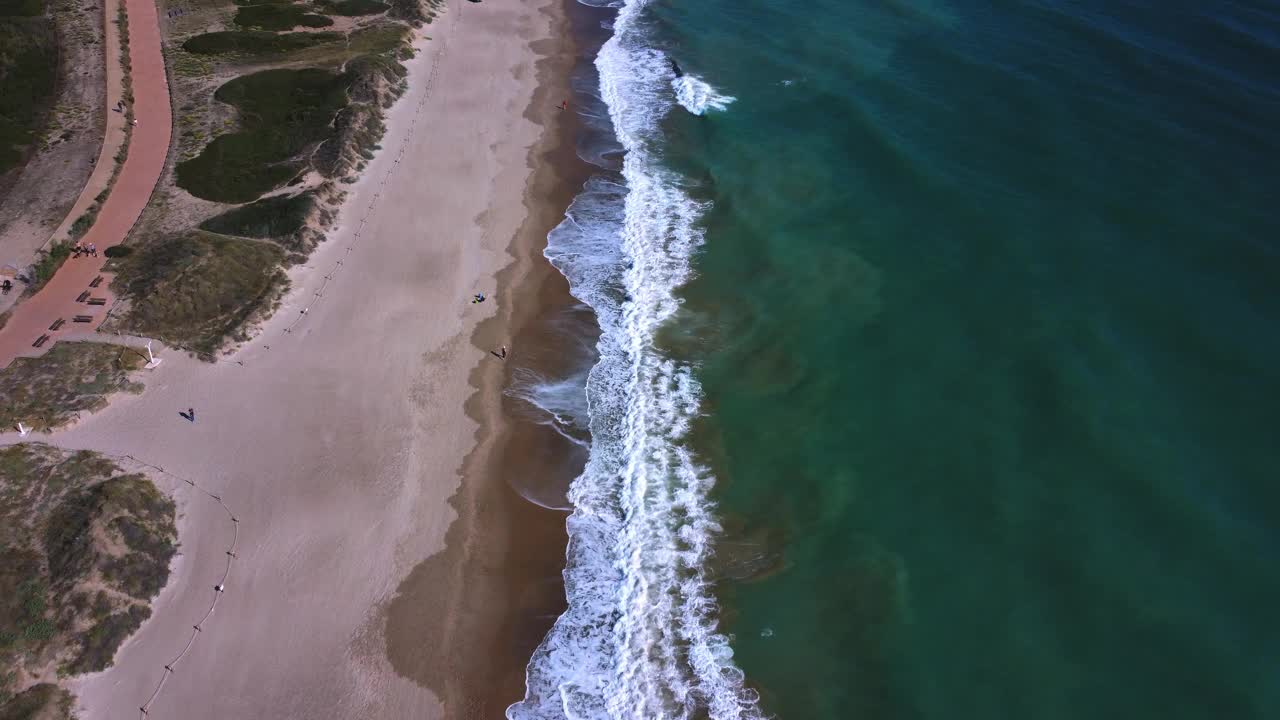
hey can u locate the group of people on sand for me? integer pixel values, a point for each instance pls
(81, 249)
(501, 353)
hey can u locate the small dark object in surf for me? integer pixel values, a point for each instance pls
(675, 68)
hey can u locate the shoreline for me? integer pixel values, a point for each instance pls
(505, 554)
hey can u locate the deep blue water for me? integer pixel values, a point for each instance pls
(976, 362)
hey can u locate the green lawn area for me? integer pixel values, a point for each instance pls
(28, 77)
(282, 113)
(279, 16)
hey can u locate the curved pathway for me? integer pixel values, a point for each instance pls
(58, 299)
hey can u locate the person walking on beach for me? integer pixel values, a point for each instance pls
(504, 352)
(477, 298)
(564, 104)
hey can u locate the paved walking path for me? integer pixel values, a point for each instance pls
(22, 250)
(142, 167)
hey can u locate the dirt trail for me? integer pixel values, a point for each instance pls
(142, 167)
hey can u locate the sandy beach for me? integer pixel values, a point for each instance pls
(338, 435)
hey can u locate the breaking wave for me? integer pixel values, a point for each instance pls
(696, 96)
(639, 638)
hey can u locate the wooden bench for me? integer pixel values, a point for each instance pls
(97, 301)
(40, 341)
(83, 318)
(96, 281)
(57, 324)
(83, 296)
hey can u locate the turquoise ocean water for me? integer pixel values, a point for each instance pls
(939, 373)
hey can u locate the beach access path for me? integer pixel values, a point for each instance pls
(23, 241)
(33, 317)
(336, 435)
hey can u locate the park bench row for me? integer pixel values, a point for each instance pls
(83, 298)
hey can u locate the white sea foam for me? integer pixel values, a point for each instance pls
(561, 402)
(639, 638)
(697, 96)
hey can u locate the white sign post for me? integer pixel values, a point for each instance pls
(152, 360)
(23, 430)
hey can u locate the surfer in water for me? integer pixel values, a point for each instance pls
(675, 68)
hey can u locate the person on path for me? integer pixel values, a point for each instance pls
(93, 249)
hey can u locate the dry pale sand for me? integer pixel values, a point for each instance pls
(338, 444)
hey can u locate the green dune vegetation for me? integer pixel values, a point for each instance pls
(282, 113)
(198, 290)
(28, 77)
(279, 16)
(71, 378)
(44, 701)
(283, 219)
(352, 8)
(257, 42)
(84, 547)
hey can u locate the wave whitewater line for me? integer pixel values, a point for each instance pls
(639, 638)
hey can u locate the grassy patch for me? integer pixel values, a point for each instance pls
(45, 701)
(256, 42)
(413, 12)
(28, 78)
(352, 8)
(376, 39)
(48, 264)
(278, 17)
(71, 378)
(272, 217)
(98, 646)
(83, 548)
(199, 290)
(21, 8)
(282, 112)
